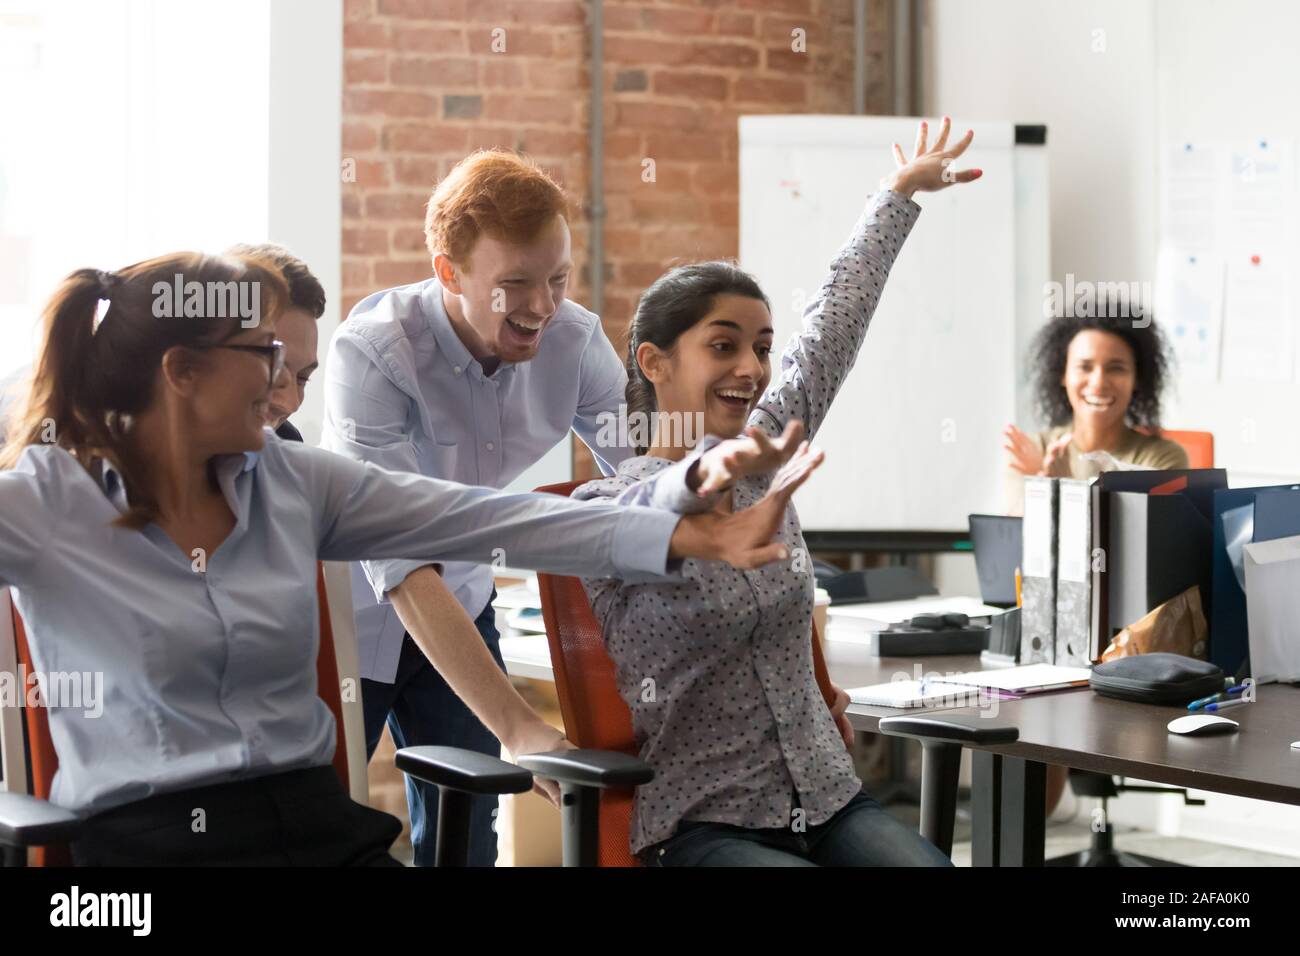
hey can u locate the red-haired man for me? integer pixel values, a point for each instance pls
(472, 376)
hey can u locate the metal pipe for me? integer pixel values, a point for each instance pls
(860, 57)
(596, 199)
(905, 58)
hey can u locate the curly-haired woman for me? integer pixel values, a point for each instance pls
(1098, 380)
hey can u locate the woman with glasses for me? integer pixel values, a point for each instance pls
(155, 537)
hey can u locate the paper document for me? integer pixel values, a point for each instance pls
(1024, 680)
(1257, 320)
(1259, 187)
(1189, 302)
(1189, 195)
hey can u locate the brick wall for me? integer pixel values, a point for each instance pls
(426, 81)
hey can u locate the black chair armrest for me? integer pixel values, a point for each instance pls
(589, 768)
(30, 821)
(463, 770)
(958, 729)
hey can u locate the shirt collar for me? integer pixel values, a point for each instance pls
(449, 343)
(228, 468)
(643, 466)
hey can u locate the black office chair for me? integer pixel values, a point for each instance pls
(1102, 852)
(582, 774)
(28, 821)
(942, 738)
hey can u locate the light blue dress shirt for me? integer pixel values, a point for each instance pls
(210, 676)
(402, 391)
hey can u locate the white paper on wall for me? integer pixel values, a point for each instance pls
(1193, 174)
(1258, 327)
(1189, 307)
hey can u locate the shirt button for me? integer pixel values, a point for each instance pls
(490, 446)
(456, 369)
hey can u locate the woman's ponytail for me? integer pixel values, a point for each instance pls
(103, 342)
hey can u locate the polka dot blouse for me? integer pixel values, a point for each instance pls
(716, 666)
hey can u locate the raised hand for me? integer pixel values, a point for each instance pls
(931, 168)
(1056, 460)
(751, 454)
(1023, 453)
(1025, 457)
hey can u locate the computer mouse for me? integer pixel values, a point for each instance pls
(1201, 724)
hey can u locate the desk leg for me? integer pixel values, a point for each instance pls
(985, 807)
(1024, 812)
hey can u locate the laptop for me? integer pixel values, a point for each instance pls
(997, 543)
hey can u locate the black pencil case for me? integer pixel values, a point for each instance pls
(1157, 678)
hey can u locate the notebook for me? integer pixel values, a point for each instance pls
(915, 693)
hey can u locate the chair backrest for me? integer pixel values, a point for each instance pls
(40, 746)
(328, 685)
(1198, 445)
(594, 713)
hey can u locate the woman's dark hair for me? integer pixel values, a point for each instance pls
(90, 380)
(1150, 354)
(676, 301)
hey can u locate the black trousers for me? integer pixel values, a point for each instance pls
(295, 818)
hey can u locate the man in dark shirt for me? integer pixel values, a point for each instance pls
(296, 328)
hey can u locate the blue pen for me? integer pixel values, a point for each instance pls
(1214, 698)
(1224, 705)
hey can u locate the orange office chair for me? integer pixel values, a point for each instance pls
(29, 820)
(1198, 445)
(598, 818)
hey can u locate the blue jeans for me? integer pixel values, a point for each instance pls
(420, 709)
(860, 833)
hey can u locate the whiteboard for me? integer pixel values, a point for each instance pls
(913, 441)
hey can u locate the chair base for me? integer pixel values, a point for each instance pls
(1094, 857)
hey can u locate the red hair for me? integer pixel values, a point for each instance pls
(491, 192)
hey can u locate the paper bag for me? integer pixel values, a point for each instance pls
(1175, 627)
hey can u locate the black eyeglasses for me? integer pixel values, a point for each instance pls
(274, 352)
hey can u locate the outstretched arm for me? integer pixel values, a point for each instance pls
(819, 357)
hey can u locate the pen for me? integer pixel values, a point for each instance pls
(1213, 698)
(1224, 705)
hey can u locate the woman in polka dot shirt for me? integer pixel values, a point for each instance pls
(751, 767)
